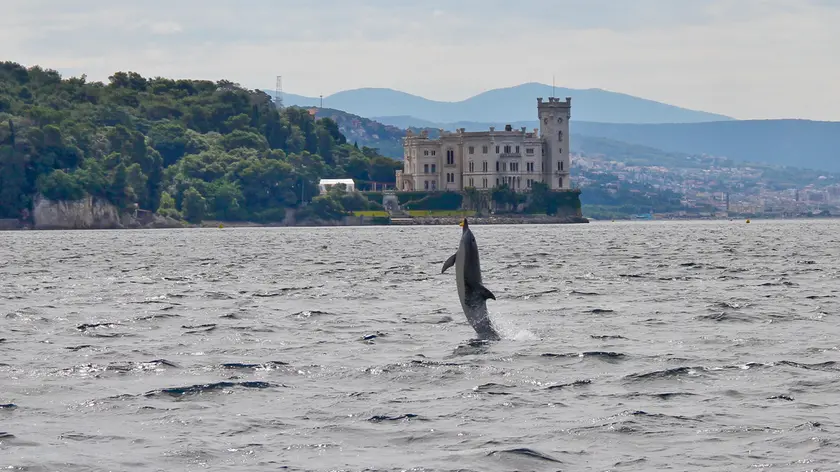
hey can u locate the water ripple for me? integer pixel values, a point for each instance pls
(627, 346)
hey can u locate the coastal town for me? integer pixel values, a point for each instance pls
(708, 187)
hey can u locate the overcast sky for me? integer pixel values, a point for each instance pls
(743, 58)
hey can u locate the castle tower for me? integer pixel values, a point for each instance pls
(554, 131)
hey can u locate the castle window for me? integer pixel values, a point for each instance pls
(497, 149)
(529, 151)
(497, 166)
(561, 182)
(517, 149)
(426, 184)
(484, 166)
(497, 182)
(484, 149)
(561, 165)
(471, 166)
(507, 149)
(434, 152)
(471, 182)
(425, 153)
(504, 166)
(434, 184)
(484, 183)
(450, 157)
(425, 168)
(560, 136)
(434, 168)
(472, 150)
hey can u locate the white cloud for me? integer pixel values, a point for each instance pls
(165, 28)
(746, 58)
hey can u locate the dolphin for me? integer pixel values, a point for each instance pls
(471, 292)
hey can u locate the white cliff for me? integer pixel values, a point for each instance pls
(91, 213)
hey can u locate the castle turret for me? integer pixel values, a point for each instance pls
(554, 118)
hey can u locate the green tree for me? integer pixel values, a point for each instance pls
(194, 206)
(59, 185)
(13, 182)
(167, 206)
(119, 192)
(224, 201)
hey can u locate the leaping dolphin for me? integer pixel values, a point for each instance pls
(471, 292)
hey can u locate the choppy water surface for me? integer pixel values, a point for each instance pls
(628, 346)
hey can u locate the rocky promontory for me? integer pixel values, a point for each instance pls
(93, 213)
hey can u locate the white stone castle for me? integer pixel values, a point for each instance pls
(488, 159)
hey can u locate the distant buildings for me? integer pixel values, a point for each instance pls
(492, 158)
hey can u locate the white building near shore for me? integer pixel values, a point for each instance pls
(325, 184)
(488, 159)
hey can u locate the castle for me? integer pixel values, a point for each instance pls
(488, 159)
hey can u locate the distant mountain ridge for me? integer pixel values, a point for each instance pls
(516, 103)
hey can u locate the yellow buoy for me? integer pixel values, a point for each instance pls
(221, 226)
(748, 220)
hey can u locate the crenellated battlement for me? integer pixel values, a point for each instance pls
(554, 102)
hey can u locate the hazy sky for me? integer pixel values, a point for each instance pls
(743, 58)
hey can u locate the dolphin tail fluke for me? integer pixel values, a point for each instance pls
(485, 292)
(449, 263)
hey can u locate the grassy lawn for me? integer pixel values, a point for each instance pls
(441, 213)
(371, 213)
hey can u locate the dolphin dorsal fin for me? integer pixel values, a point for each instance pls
(483, 291)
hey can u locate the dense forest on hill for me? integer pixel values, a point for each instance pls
(187, 148)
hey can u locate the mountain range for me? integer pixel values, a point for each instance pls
(598, 114)
(517, 103)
